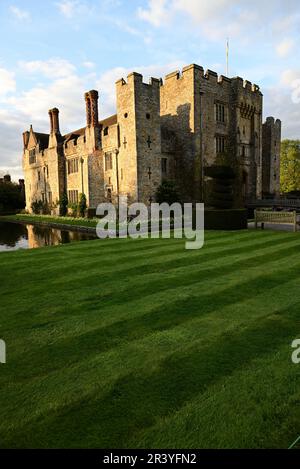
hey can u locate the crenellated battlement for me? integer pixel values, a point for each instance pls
(271, 122)
(210, 76)
(137, 79)
(187, 72)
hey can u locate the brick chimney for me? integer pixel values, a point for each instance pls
(88, 109)
(91, 100)
(25, 138)
(54, 121)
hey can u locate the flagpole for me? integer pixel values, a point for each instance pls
(227, 58)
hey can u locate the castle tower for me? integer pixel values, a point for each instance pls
(182, 112)
(139, 158)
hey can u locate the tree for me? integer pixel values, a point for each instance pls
(11, 197)
(290, 166)
(82, 205)
(167, 192)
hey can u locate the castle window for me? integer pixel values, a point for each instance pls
(220, 113)
(148, 116)
(108, 161)
(72, 165)
(105, 132)
(220, 144)
(109, 181)
(39, 175)
(121, 173)
(149, 173)
(149, 142)
(243, 152)
(164, 163)
(244, 130)
(73, 196)
(32, 156)
(126, 115)
(50, 197)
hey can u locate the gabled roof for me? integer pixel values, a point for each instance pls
(112, 120)
(42, 139)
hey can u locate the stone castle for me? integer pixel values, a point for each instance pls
(166, 129)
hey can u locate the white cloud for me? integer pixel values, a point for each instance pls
(217, 19)
(54, 67)
(7, 82)
(157, 12)
(66, 93)
(68, 8)
(20, 14)
(88, 64)
(288, 77)
(204, 11)
(285, 47)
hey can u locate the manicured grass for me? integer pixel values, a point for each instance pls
(124, 343)
(91, 223)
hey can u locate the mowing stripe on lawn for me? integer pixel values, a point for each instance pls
(295, 442)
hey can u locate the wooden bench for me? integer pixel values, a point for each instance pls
(275, 218)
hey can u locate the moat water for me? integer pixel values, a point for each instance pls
(14, 236)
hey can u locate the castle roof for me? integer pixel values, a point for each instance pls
(112, 120)
(42, 139)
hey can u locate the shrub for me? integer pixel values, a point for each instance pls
(82, 205)
(37, 207)
(63, 205)
(167, 192)
(74, 210)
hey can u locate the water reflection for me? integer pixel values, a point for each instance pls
(15, 236)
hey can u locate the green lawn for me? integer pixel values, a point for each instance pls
(124, 343)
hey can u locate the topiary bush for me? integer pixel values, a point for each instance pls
(221, 193)
(63, 205)
(82, 205)
(167, 192)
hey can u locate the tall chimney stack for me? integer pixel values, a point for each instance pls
(54, 121)
(25, 138)
(94, 107)
(88, 109)
(91, 99)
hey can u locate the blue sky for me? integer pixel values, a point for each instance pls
(53, 51)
